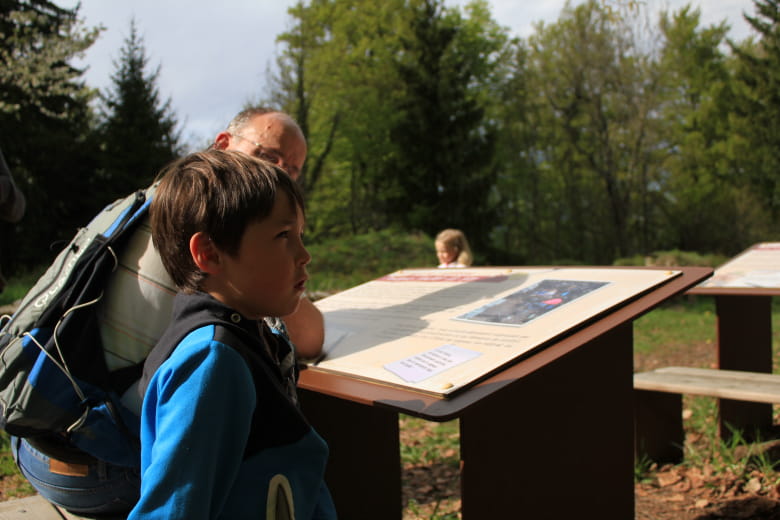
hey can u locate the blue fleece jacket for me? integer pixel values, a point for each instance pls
(221, 433)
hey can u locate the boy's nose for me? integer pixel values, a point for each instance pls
(305, 257)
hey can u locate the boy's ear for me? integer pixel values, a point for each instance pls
(204, 253)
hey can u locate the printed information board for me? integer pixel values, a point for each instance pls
(440, 330)
(758, 266)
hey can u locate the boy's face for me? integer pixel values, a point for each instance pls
(268, 274)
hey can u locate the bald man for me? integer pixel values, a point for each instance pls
(136, 307)
(275, 137)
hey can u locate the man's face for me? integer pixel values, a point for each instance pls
(273, 137)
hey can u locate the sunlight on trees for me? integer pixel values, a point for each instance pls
(615, 130)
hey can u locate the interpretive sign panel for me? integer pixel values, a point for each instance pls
(440, 330)
(758, 266)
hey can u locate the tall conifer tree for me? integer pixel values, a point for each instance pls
(439, 171)
(138, 130)
(757, 121)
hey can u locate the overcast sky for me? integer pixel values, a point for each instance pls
(213, 56)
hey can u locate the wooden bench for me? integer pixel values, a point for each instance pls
(658, 403)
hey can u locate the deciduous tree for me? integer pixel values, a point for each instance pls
(703, 203)
(598, 90)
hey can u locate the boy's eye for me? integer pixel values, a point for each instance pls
(284, 234)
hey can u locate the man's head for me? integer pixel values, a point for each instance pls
(267, 134)
(217, 195)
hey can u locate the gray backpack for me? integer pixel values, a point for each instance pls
(53, 376)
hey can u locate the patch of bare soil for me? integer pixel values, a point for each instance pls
(693, 493)
(429, 490)
(14, 486)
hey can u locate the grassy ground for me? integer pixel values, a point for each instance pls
(18, 285)
(12, 483)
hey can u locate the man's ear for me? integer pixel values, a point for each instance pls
(204, 253)
(222, 141)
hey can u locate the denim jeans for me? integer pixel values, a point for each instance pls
(101, 489)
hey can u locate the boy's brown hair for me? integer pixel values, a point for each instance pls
(217, 193)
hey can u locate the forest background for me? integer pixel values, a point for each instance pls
(609, 133)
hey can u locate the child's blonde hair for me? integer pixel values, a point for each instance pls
(454, 238)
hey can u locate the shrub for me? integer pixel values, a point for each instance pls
(672, 258)
(344, 262)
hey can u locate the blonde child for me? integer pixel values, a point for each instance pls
(452, 249)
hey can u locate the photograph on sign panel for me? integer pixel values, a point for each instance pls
(531, 302)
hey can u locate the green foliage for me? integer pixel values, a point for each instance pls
(7, 465)
(19, 284)
(522, 193)
(643, 469)
(673, 258)
(437, 175)
(44, 126)
(137, 130)
(594, 111)
(39, 39)
(334, 76)
(756, 113)
(708, 204)
(9, 471)
(341, 263)
(604, 135)
(701, 207)
(390, 96)
(735, 457)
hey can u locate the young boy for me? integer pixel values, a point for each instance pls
(221, 435)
